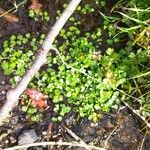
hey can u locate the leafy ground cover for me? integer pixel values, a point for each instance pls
(100, 62)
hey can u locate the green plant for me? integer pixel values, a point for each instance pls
(85, 9)
(141, 4)
(79, 90)
(101, 3)
(135, 15)
(42, 15)
(32, 113)
(17, 55)
(60, 111)
(29, 109)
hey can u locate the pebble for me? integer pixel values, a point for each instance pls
(14, 120)
(3, 92)
(2, 82)
(28, 137)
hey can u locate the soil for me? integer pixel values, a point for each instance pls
(121, 130)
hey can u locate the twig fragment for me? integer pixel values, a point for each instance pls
(74, 136)
(135, 112)
(111, 133)
(141, 147)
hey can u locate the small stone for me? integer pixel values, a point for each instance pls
(94, 124)
(14, 120)
(3, 92)
(28, 137)
(6, 141)
(3, 82)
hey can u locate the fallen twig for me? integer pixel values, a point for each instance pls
(135, 112)
(13, 94)
(111, 133)
(72, 144)
(142, 144)
(75, 136)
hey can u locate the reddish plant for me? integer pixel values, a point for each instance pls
(39, 99)
(35, 5)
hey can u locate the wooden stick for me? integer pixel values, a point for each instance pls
(13, 94)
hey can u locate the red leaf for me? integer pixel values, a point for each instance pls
(39, 103)
(38, 98)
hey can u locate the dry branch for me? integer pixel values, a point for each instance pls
(13, 94)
